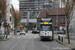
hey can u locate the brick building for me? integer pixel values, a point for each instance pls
(57, 14)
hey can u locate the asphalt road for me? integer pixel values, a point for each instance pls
(30, 42)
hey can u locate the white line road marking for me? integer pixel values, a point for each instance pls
(24, 46)
(24, 37)
(47, 47)
(30, 37)
(15, 44)
(19, 37)
(13, 37)
(35, 37)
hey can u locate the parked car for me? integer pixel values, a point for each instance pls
(10, 30)
(22, 32)
(61, 32)
(18, 30)
(35, 31)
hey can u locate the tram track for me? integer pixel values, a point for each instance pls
(48, 44)
(20, 43)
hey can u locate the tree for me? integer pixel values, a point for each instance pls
(50, 0)
(68, 11)
(17, 18)
(3, 7)
(23, 24)
(32, 25)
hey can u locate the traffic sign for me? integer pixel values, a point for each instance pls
(26, 20)
(63, 24)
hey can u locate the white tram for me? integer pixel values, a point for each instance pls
(46, 29)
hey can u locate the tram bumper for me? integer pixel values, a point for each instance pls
(48, 37)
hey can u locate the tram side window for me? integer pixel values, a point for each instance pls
(46, 27)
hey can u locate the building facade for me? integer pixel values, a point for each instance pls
(8, 11)
(6, 15)
(58, 18)
(72, 23)
(32, 6)
(59, 3)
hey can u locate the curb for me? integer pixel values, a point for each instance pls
(4, 39)
(60, 42)
(72, 48)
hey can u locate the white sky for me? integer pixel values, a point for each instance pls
(15, 4)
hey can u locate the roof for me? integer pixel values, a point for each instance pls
(52, 11)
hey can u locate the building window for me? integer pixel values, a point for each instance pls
(10, 19)
(61, 20)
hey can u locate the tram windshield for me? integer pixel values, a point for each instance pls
(46, 27)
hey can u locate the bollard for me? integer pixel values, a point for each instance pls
(55, 33)
(73, 49)
(61, 39)
(58, 37)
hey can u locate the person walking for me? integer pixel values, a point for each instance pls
(8, 29)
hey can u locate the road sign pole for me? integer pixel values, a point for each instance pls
(55, 29)
(28, 19)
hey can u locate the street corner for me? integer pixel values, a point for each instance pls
(72, 48)
(61, 42)
(4, 39)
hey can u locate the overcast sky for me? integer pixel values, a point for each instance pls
(15, 4)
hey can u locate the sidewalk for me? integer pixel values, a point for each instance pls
(65, 42)
(11, 34)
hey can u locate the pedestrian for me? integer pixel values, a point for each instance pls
(8, 29)
(8, 32)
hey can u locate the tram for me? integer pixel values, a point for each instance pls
(46, 29)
